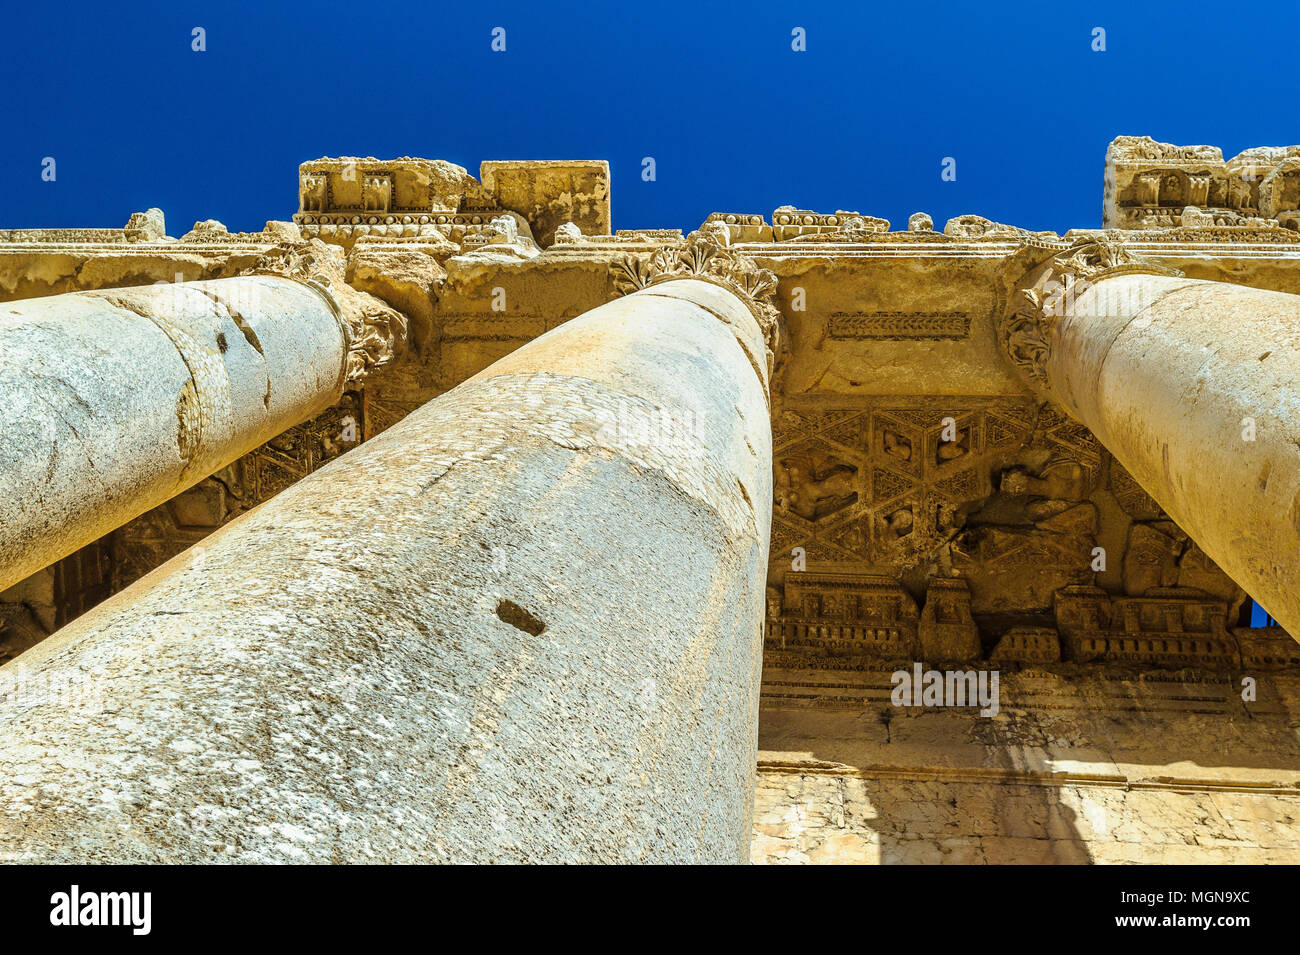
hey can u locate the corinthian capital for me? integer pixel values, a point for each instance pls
(376, 333)
(1043, 283)
(707, 257)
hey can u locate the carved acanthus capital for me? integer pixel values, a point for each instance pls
(706, 256)
(1043, 283)
(1026, 334)
(1102, 256)
(376, 332)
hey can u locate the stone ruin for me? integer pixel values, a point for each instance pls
(477, 506)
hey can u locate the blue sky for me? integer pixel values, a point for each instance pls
(735, 119)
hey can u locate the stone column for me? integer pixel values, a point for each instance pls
(523, 624)
(115, 401)
(1193, 386)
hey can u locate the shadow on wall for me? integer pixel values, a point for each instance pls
(893, 786)
(1095, 765)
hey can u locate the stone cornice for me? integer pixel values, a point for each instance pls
(376, 333)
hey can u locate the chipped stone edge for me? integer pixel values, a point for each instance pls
(376, 334)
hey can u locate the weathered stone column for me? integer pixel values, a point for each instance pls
(521, 624)
(1194, 386)
(111, 402)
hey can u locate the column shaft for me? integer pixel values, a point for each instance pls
(115, 401)
(1194, 386)
(523, 624)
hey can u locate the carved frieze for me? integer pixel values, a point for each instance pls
(1027, 645)
(356, 184)
(978, 508)
(1152, 185)
(857, 621)
(899, 326)
(65, 236)
(743, 227)
(789, 223)
(947, 630)
(845, 617)
(342, 199)
(1166, 626)
(889, 482)
(1267, 648)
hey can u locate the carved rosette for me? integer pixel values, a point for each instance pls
(1045, 289)
(376, 332)
(707, 257)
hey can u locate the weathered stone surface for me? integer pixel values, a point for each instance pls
(947, 631)
(1027, 645)
(1190, 384)
(522, 624)
(369, 185)
(116, 401)
(376, 334)
(206, 228)
(147, 226)
(1152, 185)
(1079, 766)
(908, 449)
(405, 274)
(820, 815)
(549, 193)
(121, 400)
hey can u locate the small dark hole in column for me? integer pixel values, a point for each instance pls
(519, 618)
(221, 342)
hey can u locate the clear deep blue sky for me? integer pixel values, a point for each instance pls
(735, 120)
